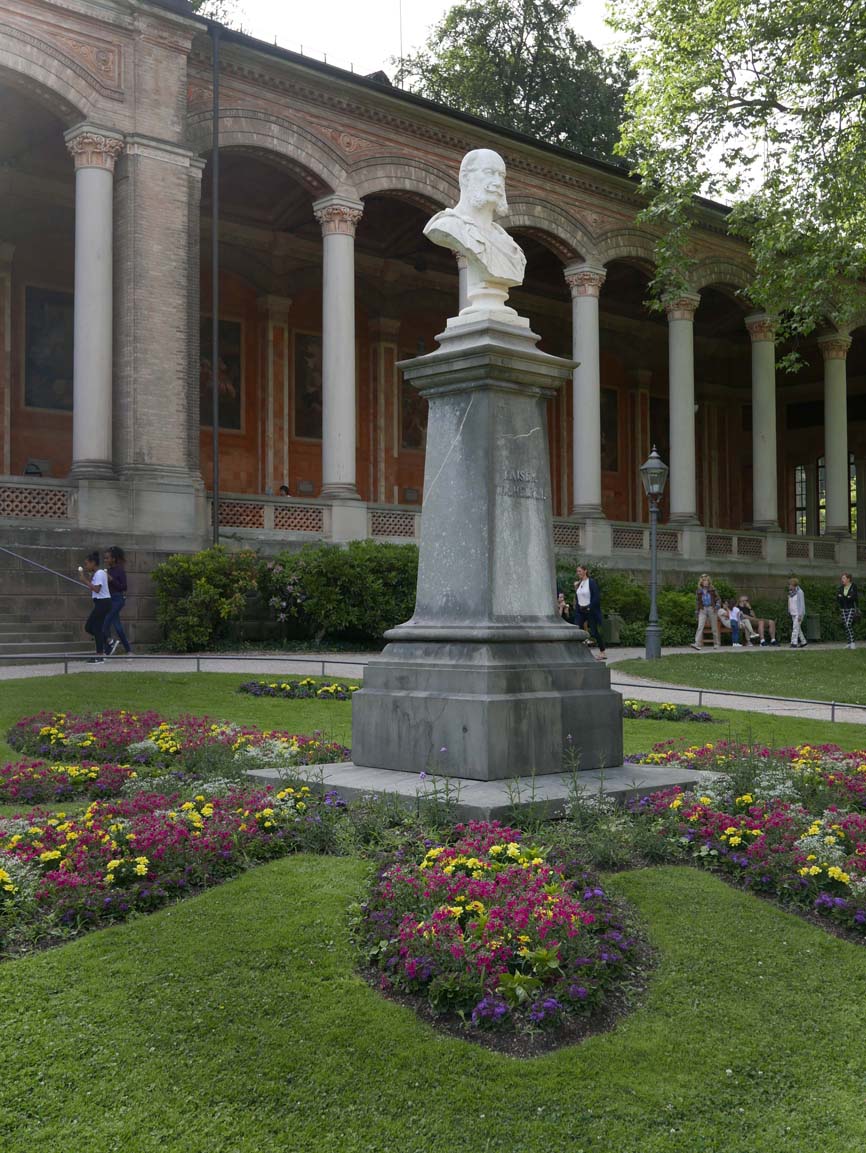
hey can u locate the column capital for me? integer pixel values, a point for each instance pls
(761, 326)
(385, 329)
(584, 279)
(338, 215)
(93, 147)
(682, 307)
(834, 345)
(270, 305)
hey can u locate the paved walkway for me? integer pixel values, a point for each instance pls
(349, 665)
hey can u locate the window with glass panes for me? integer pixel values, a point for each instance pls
(822, 495)
(800, 525)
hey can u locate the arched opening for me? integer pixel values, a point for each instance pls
(37, 252)
(407, 287)
(270, 379)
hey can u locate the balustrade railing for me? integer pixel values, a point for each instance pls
(34, 498)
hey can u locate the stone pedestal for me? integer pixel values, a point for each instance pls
(486, 670)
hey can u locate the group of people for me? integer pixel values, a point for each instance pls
(741, 619)
(746, 627)
(107, 584)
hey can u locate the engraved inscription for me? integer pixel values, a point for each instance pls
(522, 483)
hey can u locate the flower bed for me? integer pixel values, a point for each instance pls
(799, 832)
(491, 929)
(43, 782)
(647, 711)
(304, 690)
(137, 853)
(147, 739)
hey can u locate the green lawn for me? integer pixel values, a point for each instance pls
(818, 674)
(233, 1023)
(215, 694)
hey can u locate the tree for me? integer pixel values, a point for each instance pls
(764, 105)
(519, 64)
(225, 12)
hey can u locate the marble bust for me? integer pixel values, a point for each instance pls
(495, 262)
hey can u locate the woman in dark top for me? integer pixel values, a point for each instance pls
(115, 563)
(846, 599)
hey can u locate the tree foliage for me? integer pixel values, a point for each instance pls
(520, 64)
(762, 105)
(226, 12)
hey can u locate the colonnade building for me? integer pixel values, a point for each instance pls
(327, 283)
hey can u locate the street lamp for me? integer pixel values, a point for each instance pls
(654, 475)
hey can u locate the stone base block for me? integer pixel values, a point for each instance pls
(544, 798)
(486, 711)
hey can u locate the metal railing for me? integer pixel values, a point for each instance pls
(328, 666)
(196, 660)
(60, 576)
(702, 692)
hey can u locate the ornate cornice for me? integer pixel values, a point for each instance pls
(93, 149)
(682, 307)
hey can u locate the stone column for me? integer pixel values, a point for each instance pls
(193, 314)
(385, 388)
(765, 500)
(6, 254)
(156, 423)
(274, 314)
(585, 283)
(339, 218)
(834, 348)
(462, 273)
(681, 369)
(94, 151)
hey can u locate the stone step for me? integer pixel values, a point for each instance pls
(41, 647)
(541, 796)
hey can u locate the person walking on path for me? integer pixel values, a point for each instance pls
(115, 561)
(707, 605)
(96, 579)
(846, 599)
(797, 609)
(587, 607)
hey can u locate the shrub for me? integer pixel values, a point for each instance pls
(353, 593)
(677, 615)
(201, 595)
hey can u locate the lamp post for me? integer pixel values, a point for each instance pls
(653, 475)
